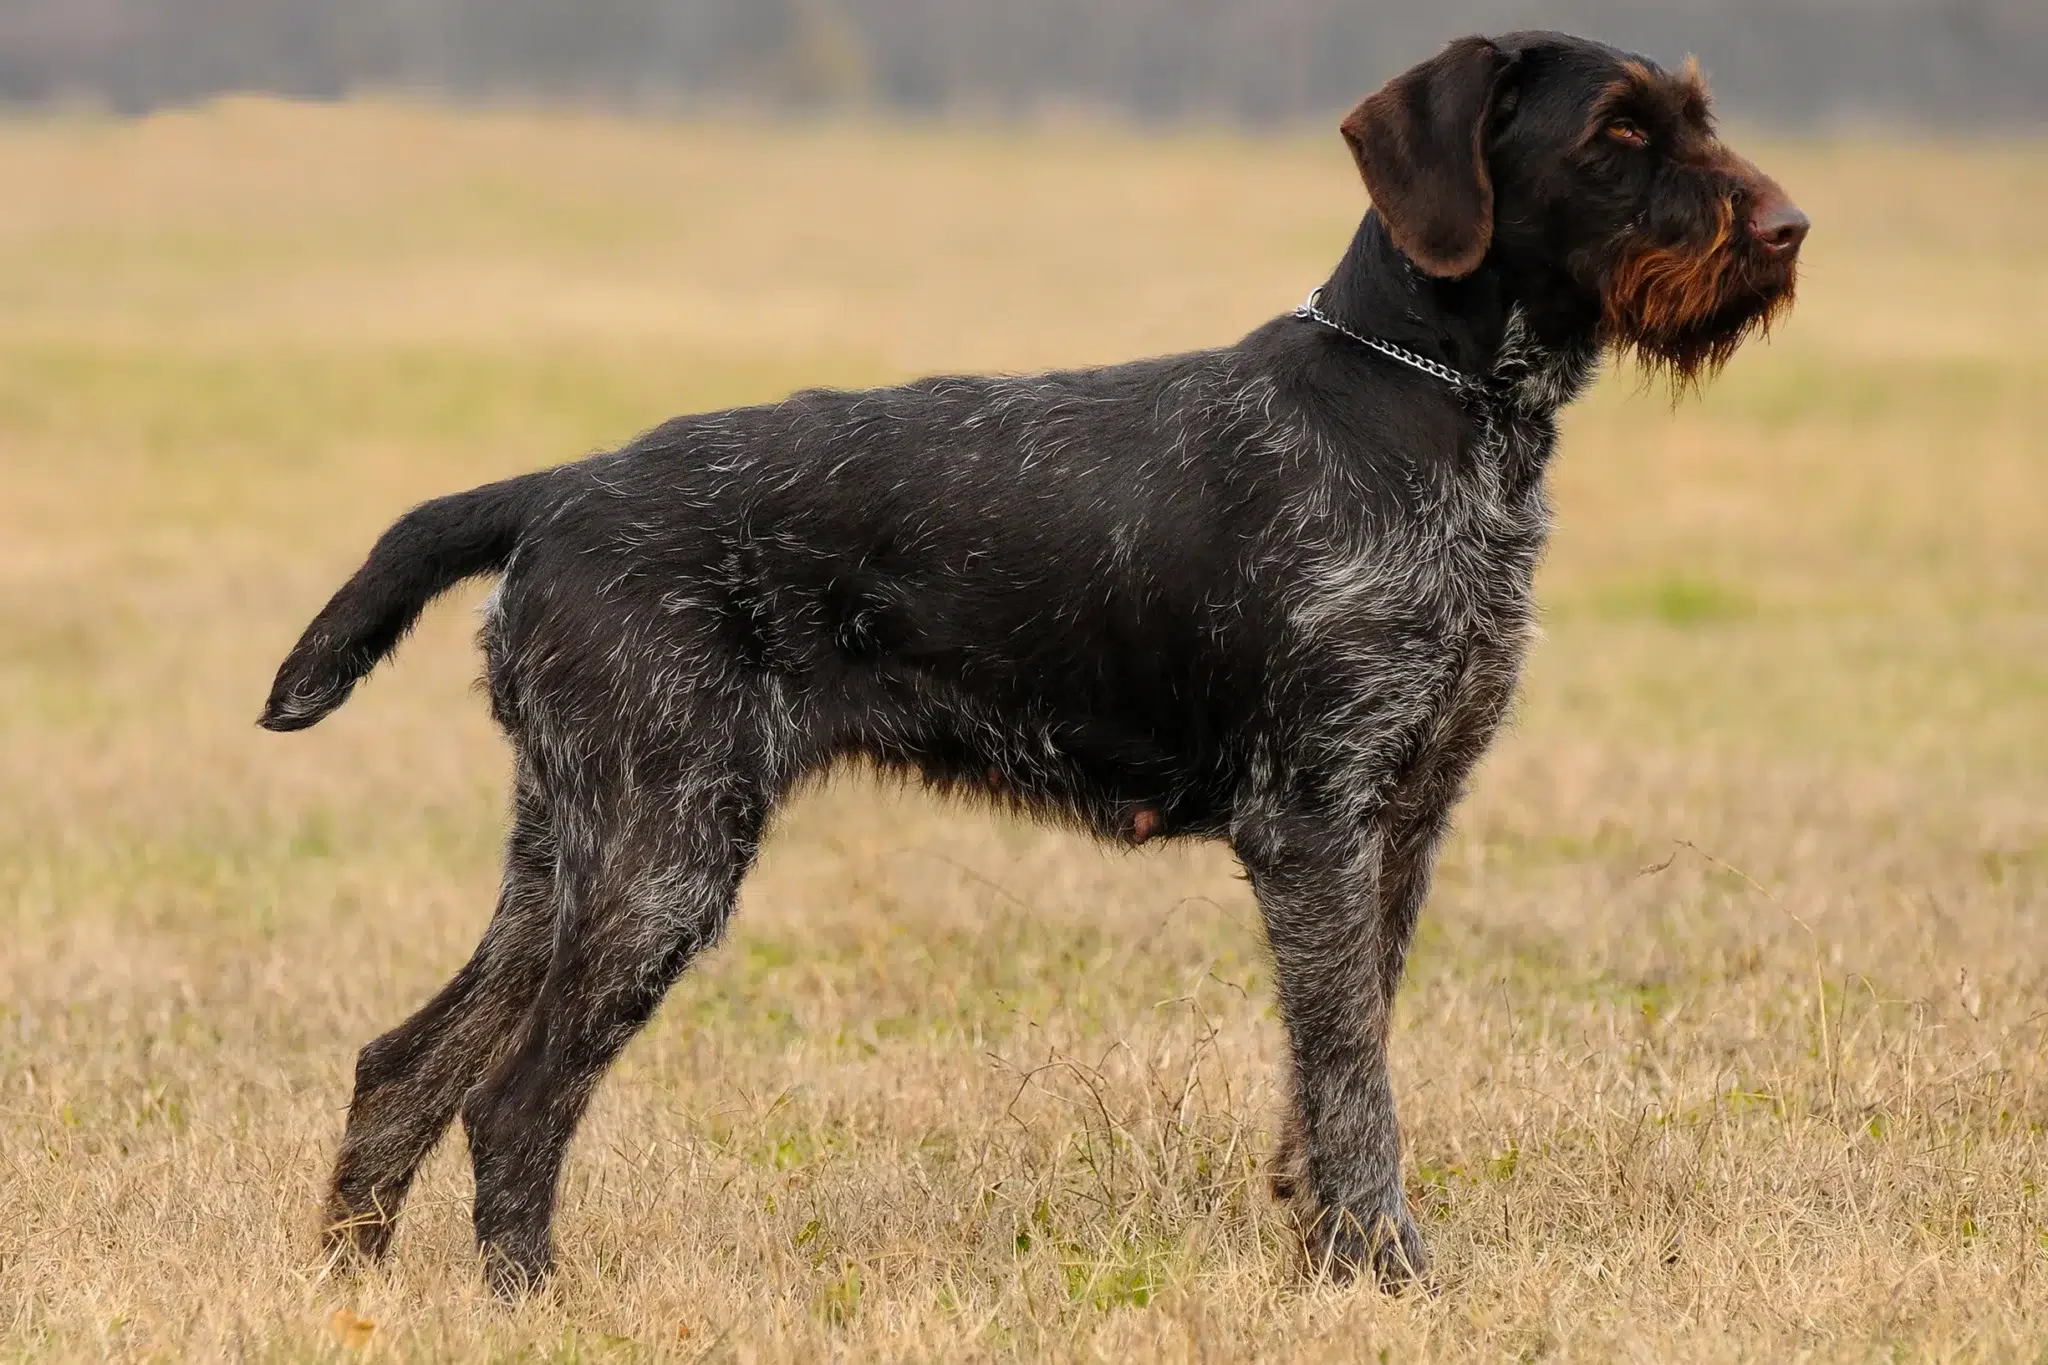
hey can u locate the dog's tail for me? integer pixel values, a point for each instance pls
(427, 551)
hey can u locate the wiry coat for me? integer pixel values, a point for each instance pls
(1153, 587)
(1277, 593)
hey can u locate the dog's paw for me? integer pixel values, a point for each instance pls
(1381, 1243)
(513, 1272)
(354, 1238)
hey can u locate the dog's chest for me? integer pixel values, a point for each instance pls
(1487, 606)
(1455, 561)
(1502, 521)
(1496, 521)
(1478, 579)
(1417, 623)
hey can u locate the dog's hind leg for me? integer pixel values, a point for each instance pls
(652, 884)
(410, 1081)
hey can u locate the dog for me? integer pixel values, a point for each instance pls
(1276, 594)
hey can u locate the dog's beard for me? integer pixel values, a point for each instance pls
(1681, 311)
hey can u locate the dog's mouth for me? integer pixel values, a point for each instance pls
(1682, 309)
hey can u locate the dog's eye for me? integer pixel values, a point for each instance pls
(1627, 130)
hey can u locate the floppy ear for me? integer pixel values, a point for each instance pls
(1420, 143)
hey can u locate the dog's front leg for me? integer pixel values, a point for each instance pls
(1318, 876)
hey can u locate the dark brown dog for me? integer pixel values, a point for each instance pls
(1276, 593)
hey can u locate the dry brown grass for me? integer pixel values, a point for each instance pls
(1724, 1039)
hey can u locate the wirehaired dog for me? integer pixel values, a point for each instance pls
(1276, 593)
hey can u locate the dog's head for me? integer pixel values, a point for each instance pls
(1594, 179)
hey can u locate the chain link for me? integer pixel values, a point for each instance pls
(1464, 384)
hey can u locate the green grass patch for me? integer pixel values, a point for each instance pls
(1680, 600)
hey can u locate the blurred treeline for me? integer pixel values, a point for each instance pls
(1941, 62)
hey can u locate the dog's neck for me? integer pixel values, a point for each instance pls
(1526, 339)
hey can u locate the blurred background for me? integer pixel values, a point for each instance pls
(1726, 1032)
(1958, 62)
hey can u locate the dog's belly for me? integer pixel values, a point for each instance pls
(1125, 722)
(1119, 782)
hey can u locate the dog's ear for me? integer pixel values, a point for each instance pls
(1420, 143)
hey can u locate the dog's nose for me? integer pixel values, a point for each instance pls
(1779, 226)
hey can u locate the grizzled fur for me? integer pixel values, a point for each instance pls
(1275, 594)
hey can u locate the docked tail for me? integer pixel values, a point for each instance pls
(427, 551)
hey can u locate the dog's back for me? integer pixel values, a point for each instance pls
(1067, 591)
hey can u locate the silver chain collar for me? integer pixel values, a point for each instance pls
(1461, 383)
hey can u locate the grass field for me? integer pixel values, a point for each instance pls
(1725, 1034)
